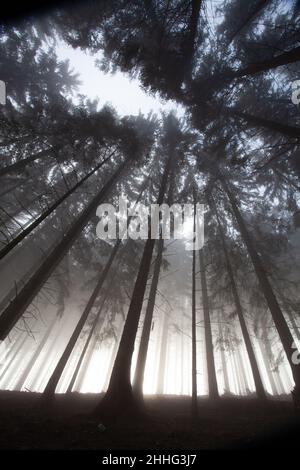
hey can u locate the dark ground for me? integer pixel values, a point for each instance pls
(68, 424)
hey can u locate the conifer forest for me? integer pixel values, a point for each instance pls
(123, 323)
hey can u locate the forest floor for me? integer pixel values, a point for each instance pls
(233, 422)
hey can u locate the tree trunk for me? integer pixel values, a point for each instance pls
(257, 9)
(163, 356)
(87, 342)
(189, 47)
(17, 307)
(281, 59)
(223, 358)
(85, 364)
(35, 355)
(194, 403)
(54, 379)
(9, 246)
(119, 396)
(211, 369)
(15, 167)
(240, 313)
(256, 121)
(267, 366)
(243, 375)
(277, 315)
(14, 354)
(143, 348)
(237, 374)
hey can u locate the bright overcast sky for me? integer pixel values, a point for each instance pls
(124, 94)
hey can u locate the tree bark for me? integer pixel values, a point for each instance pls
(211, 369)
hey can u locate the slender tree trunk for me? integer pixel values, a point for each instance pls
(18, 166)
(277, 315)
(194, 403)
(88, 340)
(240, 313)
(15, 241)
(20, 140)
(85, 364)
(182, 365)
(280, 386)
(35, 355)
(237, 374)
(242, 370)
(223, 358)
(119, 396)
(15, 352)
(282, 59)
(54, 379)
(11, 188)
(143, 348)
(113, 357)
(17, 307)
(256, 10)
(267, 366)
(234, 376)
(163, 356)
(256, 121)
(211, 369)
(189, 47)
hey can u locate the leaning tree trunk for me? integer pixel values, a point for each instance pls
(267, 365)
(32, 361)
(268, 124)
(281, 59)
(17, 307)
(14, 354)
(54, 379)
(189, 46)
(119, 396)
(15, 241)
(15, 167)
(143, 348)
(211, 369)
(290, 315)
(11, 188)
(89, 337)
(194, 403)
(242, 371)
(223, 358)
(163, 356)
(256, 10)
(277, 315)
(239, 310)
